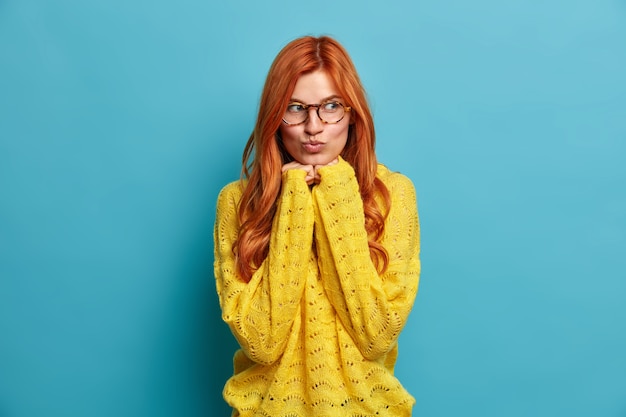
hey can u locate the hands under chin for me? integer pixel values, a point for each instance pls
(312, 171)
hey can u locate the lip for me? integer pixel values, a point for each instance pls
(313, 147)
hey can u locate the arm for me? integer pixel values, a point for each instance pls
(373, 308)
(261, 313)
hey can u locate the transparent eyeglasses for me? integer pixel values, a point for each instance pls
(329, 112)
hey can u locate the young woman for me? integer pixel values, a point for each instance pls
(316, 249)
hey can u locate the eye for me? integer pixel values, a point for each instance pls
(296, 108)
(331, 106)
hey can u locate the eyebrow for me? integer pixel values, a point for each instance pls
(324, 100)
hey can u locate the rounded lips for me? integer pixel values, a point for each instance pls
(313, 145)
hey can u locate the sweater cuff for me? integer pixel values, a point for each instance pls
(294, 175)
(340, 172)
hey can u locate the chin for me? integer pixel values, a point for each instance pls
(315, 159)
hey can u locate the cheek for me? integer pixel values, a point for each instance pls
(341, 137)
(290, 133)
(288, 139)
(284, 136)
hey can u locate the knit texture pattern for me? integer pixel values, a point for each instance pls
(317, 324)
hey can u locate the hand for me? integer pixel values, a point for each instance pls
(309, 169)
(316, 176)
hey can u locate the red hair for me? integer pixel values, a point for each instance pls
(263, 156)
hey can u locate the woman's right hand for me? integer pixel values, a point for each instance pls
(309, 169)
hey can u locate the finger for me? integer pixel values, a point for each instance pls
(316, 175)
(308, 169)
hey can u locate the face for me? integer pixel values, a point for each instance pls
(315, 142)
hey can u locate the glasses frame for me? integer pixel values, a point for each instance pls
(346, 109)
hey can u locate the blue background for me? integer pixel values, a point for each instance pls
(121, 120)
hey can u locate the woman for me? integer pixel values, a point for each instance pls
(316, 249)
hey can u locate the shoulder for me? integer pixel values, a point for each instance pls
(402, 194)
(230, 194)
(394, 181)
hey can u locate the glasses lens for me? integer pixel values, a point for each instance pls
(295, 113)
(331, 112)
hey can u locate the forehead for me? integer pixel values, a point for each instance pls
(314, 87)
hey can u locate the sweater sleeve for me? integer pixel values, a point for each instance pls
(372, 307)
(261, 313)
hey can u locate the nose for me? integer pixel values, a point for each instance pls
(314, 124)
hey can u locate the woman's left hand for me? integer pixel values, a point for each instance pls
(316, 176)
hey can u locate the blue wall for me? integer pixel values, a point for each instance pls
(121, 120)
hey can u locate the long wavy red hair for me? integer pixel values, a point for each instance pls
(263, 156)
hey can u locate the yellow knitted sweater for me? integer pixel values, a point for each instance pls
(317, 325)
